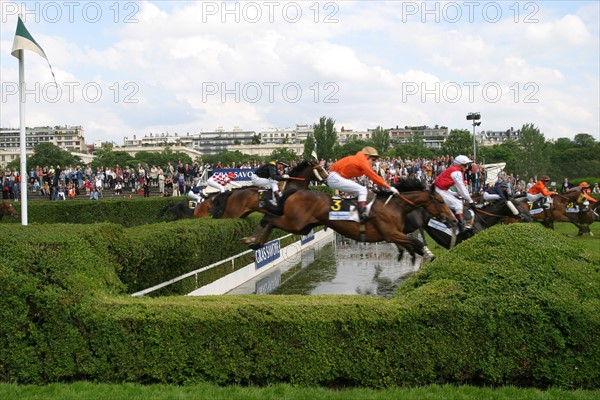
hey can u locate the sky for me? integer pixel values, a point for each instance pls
(126, 68)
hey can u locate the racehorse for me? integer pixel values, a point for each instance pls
(484, 217)
(176, 211)
(557, 211)
(7, 209)
(583, 212)
(302, 210)
(239, 203)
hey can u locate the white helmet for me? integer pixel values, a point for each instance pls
(461, 160)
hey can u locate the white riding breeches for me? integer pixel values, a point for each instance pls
(265, 183)
(336, 181)
(453, 202)
(214, 184)
(491, 196)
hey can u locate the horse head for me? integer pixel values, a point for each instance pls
(309, 170)
(8, 209)
(414, 192)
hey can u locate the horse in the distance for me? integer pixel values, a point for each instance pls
(239, 203)
(7, 209)
(558, 210)
(299, 211)
(485, 217)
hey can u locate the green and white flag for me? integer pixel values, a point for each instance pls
(24, 41)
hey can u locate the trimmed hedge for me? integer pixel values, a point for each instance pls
(514, 305)
(126, 212)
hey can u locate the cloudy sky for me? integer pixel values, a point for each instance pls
(134, 68)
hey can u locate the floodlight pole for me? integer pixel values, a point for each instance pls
(474, 117)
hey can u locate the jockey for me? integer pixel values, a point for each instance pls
(453, 176)
(219, 181)
(496, 192)
(539, 191)
(268, 177)
(196, 192)
(356, 166)
(585, 190)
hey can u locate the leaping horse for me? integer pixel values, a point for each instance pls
(239, 203)
(557, 211)
(483, 218)
(302, 210)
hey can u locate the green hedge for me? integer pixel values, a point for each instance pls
(515, 305)
(126, 212)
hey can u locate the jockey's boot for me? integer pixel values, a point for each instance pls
(362, 211)
(273, 202)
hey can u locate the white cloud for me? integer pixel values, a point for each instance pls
(370, 59)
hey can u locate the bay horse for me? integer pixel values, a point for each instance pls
(488, 215)
(239, 203)
(557, 211)
(7, 209)
(302, 210)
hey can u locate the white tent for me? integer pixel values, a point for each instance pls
(492, 171)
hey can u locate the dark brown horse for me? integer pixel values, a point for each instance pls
(7, 209)
(305, 209)
(485, 217)
(557, 211)
(239, 203)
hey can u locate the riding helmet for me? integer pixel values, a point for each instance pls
(462, 160)
(370, 151)
(584, 185)
(231, 175)
(545, 178)
(283, 162)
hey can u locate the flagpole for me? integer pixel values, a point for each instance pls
(24, 175)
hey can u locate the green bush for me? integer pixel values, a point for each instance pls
(514, 305)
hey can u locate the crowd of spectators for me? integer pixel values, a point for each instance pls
(58, 183)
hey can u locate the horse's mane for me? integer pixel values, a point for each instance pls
(219, 203)
(299, 168)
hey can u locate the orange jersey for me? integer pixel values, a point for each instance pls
(356, 166)
(539, 187)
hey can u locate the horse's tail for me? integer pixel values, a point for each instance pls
(219, 204)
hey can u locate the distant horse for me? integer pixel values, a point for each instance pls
(583, 212)
(7, 209)
(239, 203)
(483, 218)
(304, 209)
(176, 211)
(557, 211)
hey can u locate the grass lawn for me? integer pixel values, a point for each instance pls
(89, 391)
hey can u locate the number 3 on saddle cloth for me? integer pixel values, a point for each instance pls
(341, 210)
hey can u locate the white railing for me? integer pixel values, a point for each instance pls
(200, 270)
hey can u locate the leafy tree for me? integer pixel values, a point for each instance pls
(309, 146)
(532, 158)
(50, 154)
(459, 141)
(350, 148)
(381, 139)
(150, 158)
(282, 152)
(105, 156)
(326, 137)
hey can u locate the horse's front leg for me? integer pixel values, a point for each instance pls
(260, 235)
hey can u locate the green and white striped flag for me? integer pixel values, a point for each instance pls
(24, 41)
